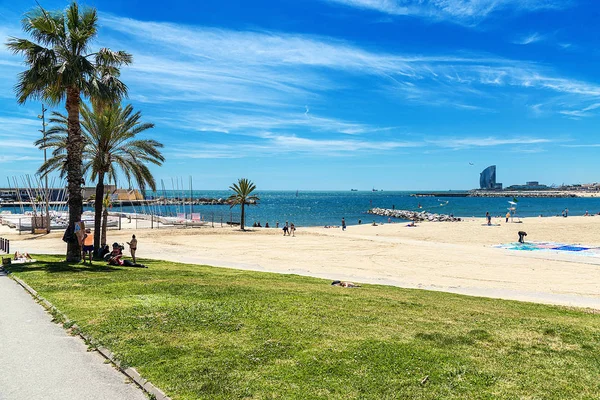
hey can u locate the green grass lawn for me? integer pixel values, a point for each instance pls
(200, 332)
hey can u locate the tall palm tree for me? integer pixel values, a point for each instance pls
(110, 145)
(60, 67)
(243, 196)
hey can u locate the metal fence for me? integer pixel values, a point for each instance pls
(182, 220)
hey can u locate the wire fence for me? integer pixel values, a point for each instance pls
(120, 220)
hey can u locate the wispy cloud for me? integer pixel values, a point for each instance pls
(257, 120)
(531, 38)
(490, 141)
(272, 69)
(269, 144)
(285, 144)
(581, 145)
(4, 159)
(584, 112)
(456, 11)
(254, 85)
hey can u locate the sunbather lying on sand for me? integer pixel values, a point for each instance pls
(344, 284)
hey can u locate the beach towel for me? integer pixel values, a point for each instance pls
(22, 261)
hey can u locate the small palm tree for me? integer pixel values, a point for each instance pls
(60, 67)
(243, 196)
(110, 145)
(106, 204)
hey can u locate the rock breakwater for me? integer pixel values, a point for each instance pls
(413, 215)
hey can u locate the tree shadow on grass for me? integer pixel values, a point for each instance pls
(60, 266)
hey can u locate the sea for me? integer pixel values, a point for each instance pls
(321, 208)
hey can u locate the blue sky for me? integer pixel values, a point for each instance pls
(340, 94)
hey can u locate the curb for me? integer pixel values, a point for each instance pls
(129, 372)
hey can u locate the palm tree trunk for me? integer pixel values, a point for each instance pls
(104, 222)
(98, 212)
(242, 218)
(74, 169)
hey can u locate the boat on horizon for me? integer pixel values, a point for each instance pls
(354, 190)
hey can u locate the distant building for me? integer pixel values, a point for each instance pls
(87, 192)
(487, 179)
(10, 194)
(114, 193)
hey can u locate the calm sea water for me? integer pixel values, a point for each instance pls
(315, 208)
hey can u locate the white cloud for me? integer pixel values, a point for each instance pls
(581, 145)
(255, 84)
(531, 38)
(15, 143)
(269, 69)
(10, 158)
(279, 144)
(584, 112)
(257, 120)
(461, 143)
(270, 144)
(455, 11)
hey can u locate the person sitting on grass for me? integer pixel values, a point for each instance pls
(116, 258)
(116, 255)
(344, 284)
(105, 252)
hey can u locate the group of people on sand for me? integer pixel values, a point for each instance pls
(258, 225)
(488, 217)
(289, 229)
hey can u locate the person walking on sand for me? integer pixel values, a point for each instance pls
(132, 247)
(292, 229)
(488, 217)
(507, 216)
(286, 229)
(343, 224)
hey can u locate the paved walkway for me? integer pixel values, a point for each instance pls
(38, 360)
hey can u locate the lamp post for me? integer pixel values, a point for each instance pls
(43, 130)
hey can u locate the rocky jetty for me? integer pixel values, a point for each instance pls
(413, 215)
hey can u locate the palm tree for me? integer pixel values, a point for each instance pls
(106, 204)
(110, 145)
(243, 196)
(60, 67)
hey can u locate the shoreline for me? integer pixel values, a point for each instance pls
(457, 258)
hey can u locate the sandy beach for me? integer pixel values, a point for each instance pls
(452, 257)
